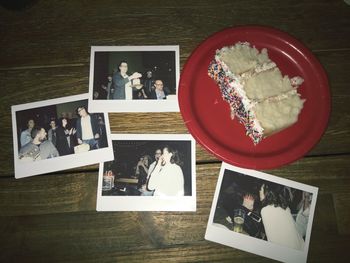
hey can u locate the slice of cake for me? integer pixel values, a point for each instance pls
(263, 100)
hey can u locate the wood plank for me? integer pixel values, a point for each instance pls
(59, 193)
(48, 193)
(107, 250)
(135, 236)
(47, 37)
(206, 252)
(342, 208)
(336, 67)
(325, 223)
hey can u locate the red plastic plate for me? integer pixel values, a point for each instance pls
(207, 115)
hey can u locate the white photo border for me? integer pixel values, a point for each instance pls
(168, 105)
(26, 169)
(149, 203)
(252, 244)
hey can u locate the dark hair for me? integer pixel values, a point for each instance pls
(175, 158)
(68, 126)
(275, 195)
(81, 107)
(148, 158)
(35, 131)
(120, 63)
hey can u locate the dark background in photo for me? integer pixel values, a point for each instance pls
(161, 63)
(127, 153)
(234, 187)
(43, 115)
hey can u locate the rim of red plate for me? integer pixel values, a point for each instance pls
(220, 152)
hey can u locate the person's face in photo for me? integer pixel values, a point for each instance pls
(262, 193)
(157, 154)
(158, 85)
(149, 74)
(64, 122)
(82, 112)
(31, 124)
(123, 68)
(109, 79)
(145, 161)
(42, 135)
(53, 124)
(167, 155)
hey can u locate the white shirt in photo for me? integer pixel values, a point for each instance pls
(168, 181)
(86, 128)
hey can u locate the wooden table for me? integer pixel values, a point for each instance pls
(45, 51)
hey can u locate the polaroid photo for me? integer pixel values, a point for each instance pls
(58, 134)
(262, 214)
(134, 78)
(150, 172)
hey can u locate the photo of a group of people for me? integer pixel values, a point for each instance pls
(118, 83)
(59, 130)
(258, 212)
(154, 166)
(134, 78)
(54, 130)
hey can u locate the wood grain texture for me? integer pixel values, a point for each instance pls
(45, 53)
(53, 33)
(139, 236)
(342, 208)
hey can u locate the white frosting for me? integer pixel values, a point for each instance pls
(238, 86)
(238, 81)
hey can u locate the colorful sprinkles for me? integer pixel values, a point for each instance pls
(246, 117)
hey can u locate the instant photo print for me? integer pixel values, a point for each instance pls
(150, 172)
(58, 134)
(262, 214)
(134, 78)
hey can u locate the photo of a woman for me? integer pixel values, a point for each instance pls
(142, 170)
(167, 178)
(65, 142)
(279, 225)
